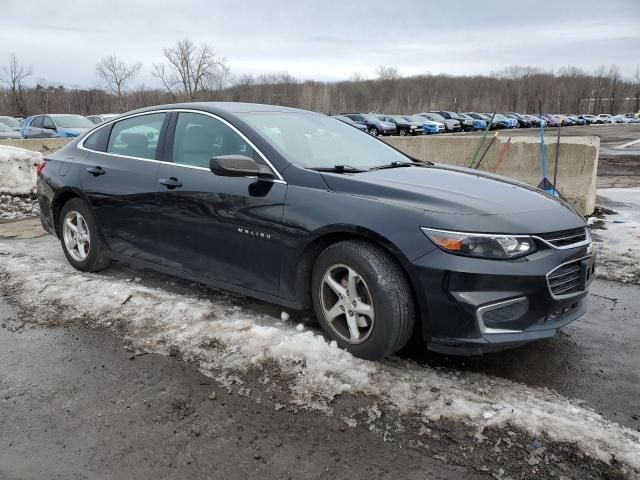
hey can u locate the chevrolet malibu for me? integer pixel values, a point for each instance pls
(302, 210)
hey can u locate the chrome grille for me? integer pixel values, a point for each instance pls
(566, 279)
(566, 238)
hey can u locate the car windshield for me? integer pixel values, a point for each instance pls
(371, 118)
(455, 116)
(72, 121)
(9, 121)
(410, 118)
(316, 141)
(437, 117)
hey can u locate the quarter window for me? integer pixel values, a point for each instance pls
(98, 140)
(137, 136)
(199, 137)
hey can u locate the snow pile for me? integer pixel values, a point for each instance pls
(18, 170)
(618, 244)
(18, 206)
(226, 338)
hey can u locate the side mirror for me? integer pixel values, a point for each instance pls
(238, 166)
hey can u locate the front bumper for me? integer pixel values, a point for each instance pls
(472, 306)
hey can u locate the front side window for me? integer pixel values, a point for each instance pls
(199, 137)
(317, 141)
(48, 123)
(137, 136)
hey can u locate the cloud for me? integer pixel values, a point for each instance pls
(326, 40)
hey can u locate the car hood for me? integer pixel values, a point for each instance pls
(442, 191)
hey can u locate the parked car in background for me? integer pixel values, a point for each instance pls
(55, 125)
(7, 132)
(374, 125)
(564, 120)
(494, 124)
(534, 119)
(523, 122)
(632, 117)
(504, 121)
(348, 121)
(551, 120)
(620, 119)
(404, 126)
(295, 208)
(606, 118)
(478, 123)
(465, 123)
(449, 124)
(10, 122)
(429, 126)
(97, 119)
(591, 119)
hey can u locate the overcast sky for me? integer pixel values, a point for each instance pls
(62, 40)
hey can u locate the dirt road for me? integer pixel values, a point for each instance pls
(81, 398)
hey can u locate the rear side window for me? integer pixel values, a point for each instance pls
(37, 122)
(98, 141)
(200, 137)
(137, 136)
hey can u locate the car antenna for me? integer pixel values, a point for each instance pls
(482, 140)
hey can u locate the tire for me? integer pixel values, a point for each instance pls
(90, 257)
(374, 131)
(379, 283)
(403, 132)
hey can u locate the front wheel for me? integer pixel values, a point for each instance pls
(80, 237)
(374, 131)
(403, 132)
(362, 299)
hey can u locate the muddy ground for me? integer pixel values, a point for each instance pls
(78, 402)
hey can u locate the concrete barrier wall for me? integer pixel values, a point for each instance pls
(577, 166)
(42, 145)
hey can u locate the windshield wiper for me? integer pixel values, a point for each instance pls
(393, 165)
(338, 169)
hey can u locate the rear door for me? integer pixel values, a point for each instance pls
(119, 180)
(227, 229)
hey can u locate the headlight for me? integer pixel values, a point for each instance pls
(482, 245)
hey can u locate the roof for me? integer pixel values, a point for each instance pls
(225, 107)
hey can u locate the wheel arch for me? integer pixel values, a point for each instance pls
(62, 197)
(339, 233)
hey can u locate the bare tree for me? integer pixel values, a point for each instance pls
(387, 73)
(14, 74)
(190, 69)
(114, 74)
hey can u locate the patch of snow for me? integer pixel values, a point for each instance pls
(18, 170)
(618, 245)
(226, 341)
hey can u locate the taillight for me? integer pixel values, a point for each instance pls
(40, 166)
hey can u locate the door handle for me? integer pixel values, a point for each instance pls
(95, 171)
(172, 182)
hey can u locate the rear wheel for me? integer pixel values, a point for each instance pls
(80, 238)
(362, 299)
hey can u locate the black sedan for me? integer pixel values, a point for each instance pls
(302, 210)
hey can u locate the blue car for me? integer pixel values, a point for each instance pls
(54, 126)
(429, 126)
(374, 125)
(476, 123)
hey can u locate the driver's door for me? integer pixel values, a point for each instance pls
(224, 228)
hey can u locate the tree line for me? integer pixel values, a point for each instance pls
(193, 72)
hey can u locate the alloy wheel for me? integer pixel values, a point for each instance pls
(347, 304)
(77, 239)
